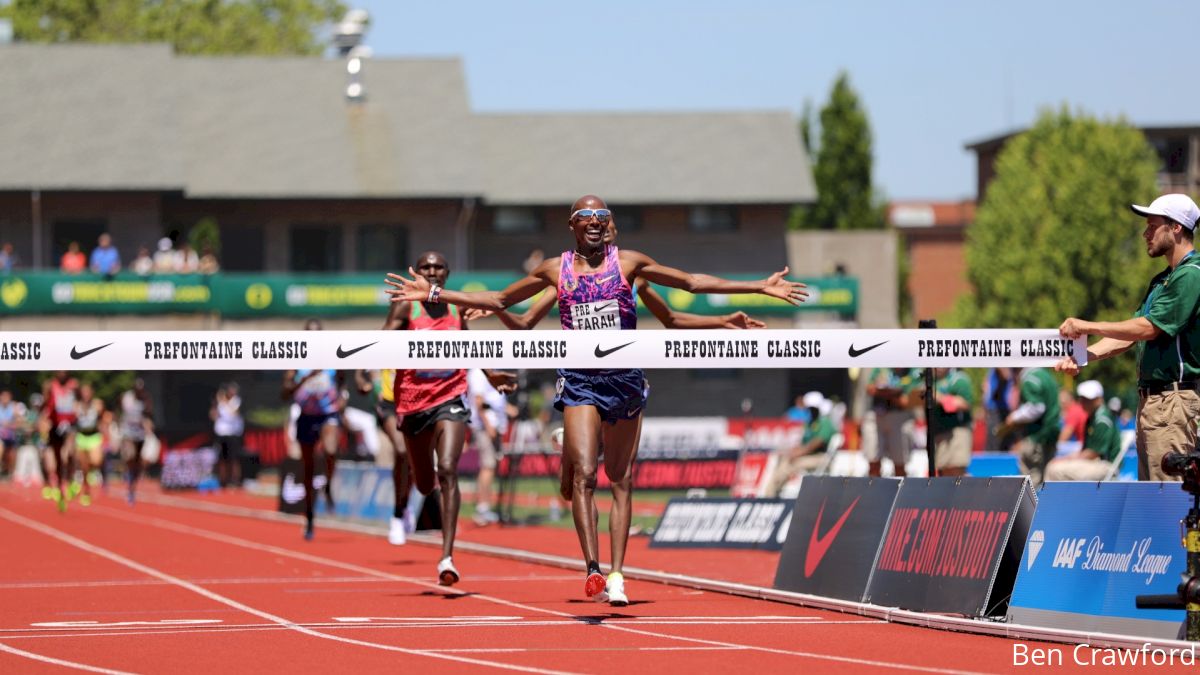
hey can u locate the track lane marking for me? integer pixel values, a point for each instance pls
(216, 597)
(253, 545)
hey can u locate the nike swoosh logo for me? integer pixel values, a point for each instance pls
(605, 306)
(818, 546)
(859, 352)
(456, 410)
(76, 354)
(601, 353)
(605, 280)
(343, 353)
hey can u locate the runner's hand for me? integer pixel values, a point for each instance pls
(777, 286)
(472, 314)
(403, 288)
(504, 381)
(741, 320)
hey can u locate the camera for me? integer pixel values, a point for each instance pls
(1185, 467)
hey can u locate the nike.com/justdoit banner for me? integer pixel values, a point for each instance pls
(837, 527)
(284, 350)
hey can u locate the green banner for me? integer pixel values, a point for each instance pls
(298, 295)
(56, 293)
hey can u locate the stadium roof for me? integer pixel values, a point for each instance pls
(139, 117)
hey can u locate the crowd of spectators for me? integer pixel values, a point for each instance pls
(105, 259)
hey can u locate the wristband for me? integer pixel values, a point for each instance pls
(435, 294)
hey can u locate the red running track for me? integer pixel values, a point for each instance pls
(156, 588)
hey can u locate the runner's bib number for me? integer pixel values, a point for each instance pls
(603, 315)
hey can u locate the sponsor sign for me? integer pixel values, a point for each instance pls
(953, 545)
(710, 470)
(291, 485)
(186, 469)
(836, 531)
(53, 293)
(1093, 548)
(437, 350)
(723, 523)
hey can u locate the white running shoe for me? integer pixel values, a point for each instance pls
(447, 574)
(616, 590)
(396, 534)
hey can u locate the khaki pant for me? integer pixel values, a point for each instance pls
(1166, 423)
(789, 467)
(885, 434)
(953, 448)
(1078, 469)
(1033, 457)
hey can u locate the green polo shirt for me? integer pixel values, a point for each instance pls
(955, 383)
(1038, 386)
(1101, 435)
(904, 379)
(820, 428)
(1172, 303)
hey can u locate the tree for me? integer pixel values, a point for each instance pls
(268, 27)
(205, 236)
(842, 166)
(1054, 236)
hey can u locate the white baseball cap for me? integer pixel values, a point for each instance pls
(813, 399)
(1090, 389)
(1177, 207)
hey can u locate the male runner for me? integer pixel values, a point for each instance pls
(60, 411)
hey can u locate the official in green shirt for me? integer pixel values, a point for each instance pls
(1166, 328)
(1101, 440)
(887, 426)
(1038, 417)
(951, 422)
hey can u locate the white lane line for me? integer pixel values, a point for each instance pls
(150, 571)
(59, 662)
(157, 582)
(253, 545)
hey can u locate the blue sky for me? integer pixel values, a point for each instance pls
(932, 75)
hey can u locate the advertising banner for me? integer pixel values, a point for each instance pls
(837, 527)
(347, 349)
(723, 523)
(184, 469)
(53, 293)
(1093, 548)
(953, 545)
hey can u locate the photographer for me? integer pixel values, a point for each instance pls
(1101, 440)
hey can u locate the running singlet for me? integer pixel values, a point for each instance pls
(417, 390)
(319, 394)
(384, 385)
(133, 414)
(61, 403)
(600, 301)
(89, 417)
(8, 416)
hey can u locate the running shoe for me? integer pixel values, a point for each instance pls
(85, 500)
(308, 531)
(616, 590)
(47, 493)
(447, 573)
(73, 489)
(396, 534)
(594, 586)
(61, 500)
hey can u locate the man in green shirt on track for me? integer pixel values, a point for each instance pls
(951, 422)
(1101, 440)
(1038, 417)
(1166, 328)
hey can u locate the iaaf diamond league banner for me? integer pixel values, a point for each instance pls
(285, 350)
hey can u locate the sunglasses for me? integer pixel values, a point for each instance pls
(601, 215)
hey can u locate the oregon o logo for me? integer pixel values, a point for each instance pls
(13, 293)
(258, 296)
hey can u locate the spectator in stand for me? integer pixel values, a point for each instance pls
(143, 264)
(8, 258)
(164, 258)
(73, 261)
(798, 412)
(105, 260)
(208, 262)
(186, 260)
(1074, 417)
(1101, 441)
(228, 427)
(810, 454)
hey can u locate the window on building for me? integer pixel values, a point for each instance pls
(316, 248)
(628, 218)
(712, 218)
(517, 219)
(1173, 153)
(382, 248)
(242, 248)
